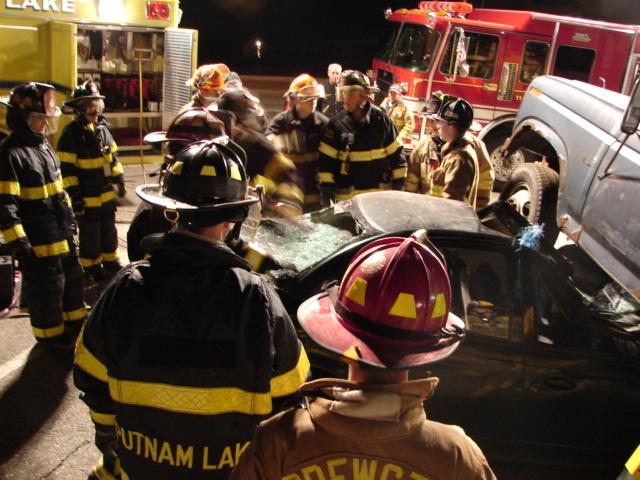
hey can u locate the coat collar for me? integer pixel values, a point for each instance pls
(376, 411)
(183, 249)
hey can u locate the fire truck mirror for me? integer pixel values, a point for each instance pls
(463, 70)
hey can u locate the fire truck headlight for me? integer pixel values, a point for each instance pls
(111, 9)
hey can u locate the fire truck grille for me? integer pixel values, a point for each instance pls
(507, 81)
(179, 65)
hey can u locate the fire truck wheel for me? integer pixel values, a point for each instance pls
(532, 189)
(503, 167)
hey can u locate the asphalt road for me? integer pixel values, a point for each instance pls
(45, 430)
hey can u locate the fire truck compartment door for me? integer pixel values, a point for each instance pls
(180, 59)
(594, 55)
(61, 55)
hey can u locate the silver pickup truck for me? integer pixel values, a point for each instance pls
(586, 180)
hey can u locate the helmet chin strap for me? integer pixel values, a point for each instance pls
(234, 233)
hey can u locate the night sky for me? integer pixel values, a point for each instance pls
(306, 35)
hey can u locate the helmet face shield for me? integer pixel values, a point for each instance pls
(92, 108)
(49, 104)
(310, 92)
(43, 124)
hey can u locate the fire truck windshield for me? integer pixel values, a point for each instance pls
(411, 46)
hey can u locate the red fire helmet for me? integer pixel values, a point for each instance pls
(391, 310)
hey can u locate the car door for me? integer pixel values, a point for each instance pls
(581, 388)
(481, 383)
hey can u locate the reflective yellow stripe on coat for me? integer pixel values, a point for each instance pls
(194, 400)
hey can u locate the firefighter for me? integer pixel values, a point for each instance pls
(425, 158)
(399, 112)
(90, 169)
(296, 133)
(186, 352)
(457, 175)
(359, 149)
(390, 314)
(209, 82)
(265, 164)
(36, 219)
(486, 174)
(191, 125)
(329, 104)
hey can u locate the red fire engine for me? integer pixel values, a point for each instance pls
(489, 57)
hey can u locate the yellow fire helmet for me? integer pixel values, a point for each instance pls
(209, 77)
(305, 87)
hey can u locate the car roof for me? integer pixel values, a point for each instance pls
(392, 211)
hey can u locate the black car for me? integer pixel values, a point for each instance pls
(544, 375)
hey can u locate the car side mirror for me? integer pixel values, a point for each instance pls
(632, 115)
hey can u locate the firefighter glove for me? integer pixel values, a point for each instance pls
(106, 439)
(326, 195)
(107, 442)
(77, 205)
(121, 188)
(107, 469)
(397, 184)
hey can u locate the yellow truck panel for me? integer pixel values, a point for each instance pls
(116, 43)
(108, 12)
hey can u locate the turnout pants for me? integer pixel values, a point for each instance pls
(55, 291)
(99, 241)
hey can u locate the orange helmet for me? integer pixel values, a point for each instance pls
(391, 310)
(305, 87)
(209, 77)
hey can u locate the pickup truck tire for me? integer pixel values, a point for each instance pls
(532, 189)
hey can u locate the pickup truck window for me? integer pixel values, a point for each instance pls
(533, 60)
(574, 63)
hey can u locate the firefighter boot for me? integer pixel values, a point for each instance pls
(91, 287)
(65, 341)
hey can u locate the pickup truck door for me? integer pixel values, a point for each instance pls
(611, 234)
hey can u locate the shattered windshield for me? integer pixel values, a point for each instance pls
(411, 46)
(299, 243)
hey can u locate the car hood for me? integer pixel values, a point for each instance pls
(392, 211)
